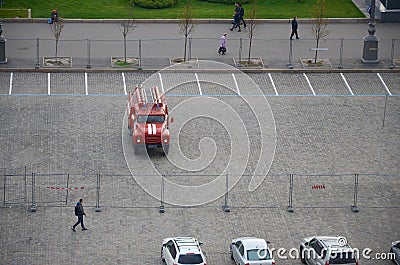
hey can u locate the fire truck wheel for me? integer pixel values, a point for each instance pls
(166, 149)
(137, 150)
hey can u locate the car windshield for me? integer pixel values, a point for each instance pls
(258, 254)
(151, 119)
(190, 259)
(342, 258)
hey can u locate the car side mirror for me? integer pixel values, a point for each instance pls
(200, 243)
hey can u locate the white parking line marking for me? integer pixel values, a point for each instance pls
(123, 80)
(347, 84)
(11, 83)
(309, 83)
(48, 83)
(161, 82)
(383, 82)
(198, 84)
(273, 84)
(236, 84)
(86, 84)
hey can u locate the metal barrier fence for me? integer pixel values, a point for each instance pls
(290, 191)
(87, 53)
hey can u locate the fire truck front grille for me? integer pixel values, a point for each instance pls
(153, 139)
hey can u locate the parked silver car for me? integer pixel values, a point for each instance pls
(251, 251)
(327, 250)
(395, 248)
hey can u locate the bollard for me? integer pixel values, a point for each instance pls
(161, 209)
(88, 53)
(3, 58)
(140, 54)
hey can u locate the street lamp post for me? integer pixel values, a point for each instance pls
(370, 50)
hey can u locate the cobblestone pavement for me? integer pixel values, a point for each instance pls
(349, 127)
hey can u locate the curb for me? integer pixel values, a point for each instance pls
(174, 21)
(269, 70)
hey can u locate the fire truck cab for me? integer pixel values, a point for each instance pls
(148, 121)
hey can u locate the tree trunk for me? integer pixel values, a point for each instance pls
(184, 54)
(125, 49)
(248, 59)
(56, 50)
(316, 52)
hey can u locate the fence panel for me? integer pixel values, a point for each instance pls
(323, 191)
(13, 189)
(378, 190)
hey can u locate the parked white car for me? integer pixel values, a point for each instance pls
(395, 248)
(182, 251)
(251, 251)
(327, 250)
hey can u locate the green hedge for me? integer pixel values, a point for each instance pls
(227, 1)
(155, 4)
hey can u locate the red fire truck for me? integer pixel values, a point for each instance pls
(148, 121)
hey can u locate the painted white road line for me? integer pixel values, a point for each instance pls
(11, 83)
(273, 84)
(383, 82)
(48, 83)
(123, 80)
(161, 82)
(236, 84)
(347, 84)
(309, 83)
(198, 84)
(86, 84)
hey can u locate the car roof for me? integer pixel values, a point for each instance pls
(332, 243)
(253, 242)
(187, 245)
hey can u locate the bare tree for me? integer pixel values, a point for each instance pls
(319, 25)
(251, 27)
(126, 26)
(56, 29)
(186, 23)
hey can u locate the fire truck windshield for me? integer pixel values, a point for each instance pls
(151, 119)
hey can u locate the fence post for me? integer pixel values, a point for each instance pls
(226, 207)
(341, 54)
(25, 191)
(354, 207)
(289, 65)
(97, 209)
(4, 190)
(290, 205)
(66, 197)
(392, 66)
(33, 205)
(161, 209)
(37, 65)
(140, 54)
(88, 53)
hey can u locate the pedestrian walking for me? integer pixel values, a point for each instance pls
(241, 12)
(79, 212)
(236, 21)
(294, 28)
(222, 44)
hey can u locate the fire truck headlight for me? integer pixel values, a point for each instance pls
(138, 140)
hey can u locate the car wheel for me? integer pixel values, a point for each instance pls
(302, 255)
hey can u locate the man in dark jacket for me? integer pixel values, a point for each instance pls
(236, 21)
(79, 212)
(294, 28)
(241, 12)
